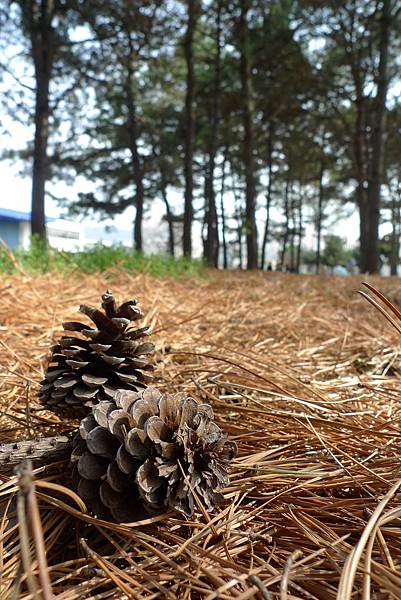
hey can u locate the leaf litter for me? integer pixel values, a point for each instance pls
(301, 372)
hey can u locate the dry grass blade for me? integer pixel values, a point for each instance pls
(27, 506)
(345, 588)
(299, 375)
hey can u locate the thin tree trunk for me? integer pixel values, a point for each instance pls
(319, 219)
(396, 230)
(377, 144)
(238, 216)
(39, 16)
(189, 127)
(361, 196)
(395, 243)
(287, 225)
(292, 234)
(269, 193)
(300, 234)
(133, 146)
(222, 212)
(204, 231)
(212, 238)
(247, 117)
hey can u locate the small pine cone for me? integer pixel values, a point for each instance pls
(151, 451)
(92, 365)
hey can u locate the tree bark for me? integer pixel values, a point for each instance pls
(292, 234)
(189, 126)
(247, 118)
(238, 216)
(269, 193)
(222, 212)
(395, 232)
(372, 260)
(319, 219)
(212, 237)
(39, 17)
(287, 225)
(300, 234)
(361, 196)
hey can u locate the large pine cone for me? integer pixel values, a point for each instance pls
(90, 367)
(153, 451)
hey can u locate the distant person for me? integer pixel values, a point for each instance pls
(340, 270)
(270, 267)
(352, 266)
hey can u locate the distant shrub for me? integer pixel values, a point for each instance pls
(99, 258)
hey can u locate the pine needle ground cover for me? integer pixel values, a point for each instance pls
(302, 373)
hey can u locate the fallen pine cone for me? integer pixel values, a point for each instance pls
(90, 367)
(150, 451)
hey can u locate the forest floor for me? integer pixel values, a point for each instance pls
(302, 372)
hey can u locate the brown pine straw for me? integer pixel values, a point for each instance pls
(301, 371)
(29, 519)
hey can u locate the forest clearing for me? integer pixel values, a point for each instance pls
(302, 373)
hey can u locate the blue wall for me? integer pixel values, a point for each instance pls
(9, 232)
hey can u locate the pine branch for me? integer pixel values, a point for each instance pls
(41, 452)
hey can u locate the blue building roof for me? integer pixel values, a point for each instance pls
(6, 214)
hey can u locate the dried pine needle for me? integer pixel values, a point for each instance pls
(306, 379)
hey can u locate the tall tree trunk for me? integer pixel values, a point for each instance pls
(360, 153)
(247, 117)
(39, 17)
(269, 192)
(396, 229)
(292, 234)
(319, 219)
(300, 234)
(204, 231)
(377, 143)
(189, 126)
(395, 241)
(239, 218)
(361, 176)
(212, 238)
(133, 145)
(286, 225)
(222, 212)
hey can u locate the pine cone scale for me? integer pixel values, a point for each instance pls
(167, 452)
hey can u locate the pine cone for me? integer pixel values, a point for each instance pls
(151, 451)
(90, 367)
